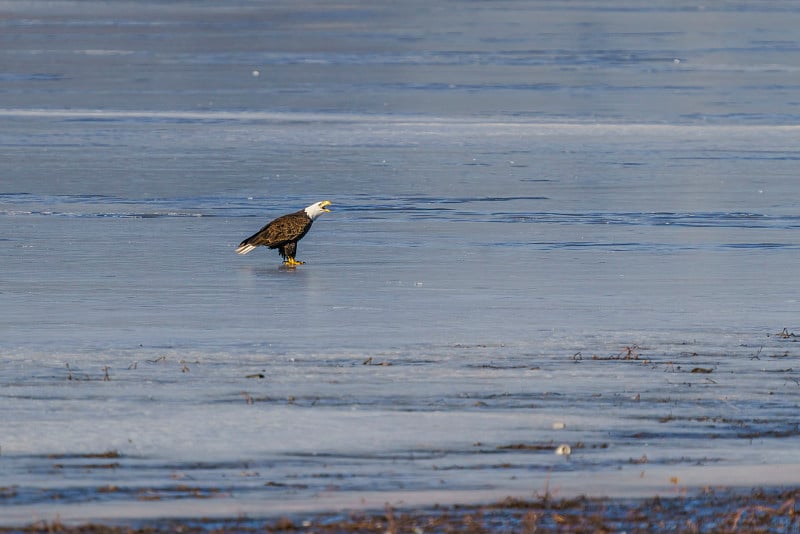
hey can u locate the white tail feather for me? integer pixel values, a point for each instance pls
(244, 249)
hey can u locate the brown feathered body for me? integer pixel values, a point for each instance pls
(283, 233)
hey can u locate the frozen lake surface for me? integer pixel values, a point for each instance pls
(552, 224)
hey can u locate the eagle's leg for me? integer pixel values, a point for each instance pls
(290, 249)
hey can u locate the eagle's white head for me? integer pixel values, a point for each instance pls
(317, 209)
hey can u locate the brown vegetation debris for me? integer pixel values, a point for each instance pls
(785, 334)
(774, 510)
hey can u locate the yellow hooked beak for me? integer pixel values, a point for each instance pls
(324, 204)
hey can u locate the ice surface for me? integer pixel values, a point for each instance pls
(529, 227)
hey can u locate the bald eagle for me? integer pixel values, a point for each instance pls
(284, 232)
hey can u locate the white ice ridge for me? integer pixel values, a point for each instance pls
(518, 123)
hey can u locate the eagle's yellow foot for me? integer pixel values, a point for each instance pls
(291, 262)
